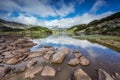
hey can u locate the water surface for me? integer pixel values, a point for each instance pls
(99, 55)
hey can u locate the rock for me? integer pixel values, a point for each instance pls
(47, 46)
(77, 55)
(84, 61)
(74, 62)
(12, 61)
(31, 63)
(20, 51)
(76, 51)
(79, 74)
(48, 54)
(4, 71)
(32, 72)
(117, 76)
(102, 75)
(48, 71)
(35, 54)
(1, 58)
(60, 55)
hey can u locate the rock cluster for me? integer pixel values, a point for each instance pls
(16, 50)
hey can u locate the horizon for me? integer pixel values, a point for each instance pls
(62, 13)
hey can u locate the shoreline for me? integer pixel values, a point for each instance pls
(18, 59)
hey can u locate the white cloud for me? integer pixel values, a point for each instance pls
(83, 19)
(98, 4)
(42, 8)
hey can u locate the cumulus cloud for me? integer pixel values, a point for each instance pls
(42, 8)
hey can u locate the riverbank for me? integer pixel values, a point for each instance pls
(112, 42)
(47, 63)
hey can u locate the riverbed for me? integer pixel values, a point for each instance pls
(100, 57)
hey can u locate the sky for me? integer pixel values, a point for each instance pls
(61, 13)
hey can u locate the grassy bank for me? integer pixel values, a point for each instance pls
(112, 42)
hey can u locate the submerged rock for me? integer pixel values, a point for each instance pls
(30, 73)
(77, 53)
(117, 76)
(1, 58)
(4, 71)
(103, 75)
(48, 71)
(48, 54)
(31, 63)
(12, 61)
(35, 54)
(74, 62)
(84, 61)
(60, 55)
(79, 74)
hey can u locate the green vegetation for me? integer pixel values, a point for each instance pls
(106, 26)
(7, 27)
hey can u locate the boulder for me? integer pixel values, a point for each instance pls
(74, 62)
(77, 53)
(32, 72)
(60, 55)
(103, 75)
(12, 61)
(31, 63)
(79, 74)
(84, 61)
(1, 58)
(20, 51)
(35, 54)
(117, 76)
(4, 71)
(48, 54)
(48, 71)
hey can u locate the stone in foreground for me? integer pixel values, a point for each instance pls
(84, 61)
(48, 71)
(74, 62)
(31, 63)
(60, 55)
(12, 61)
(79, 74)
(103, 75)
(4, 71)
(32, 72)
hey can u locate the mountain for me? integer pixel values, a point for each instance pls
(11, 26)
(6, 26)
(108, 26)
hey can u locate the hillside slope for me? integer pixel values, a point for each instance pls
(107, 26)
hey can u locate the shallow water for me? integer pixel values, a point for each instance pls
(99, 56)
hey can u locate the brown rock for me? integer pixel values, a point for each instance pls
(60, 55)
(48, 54)
(79, 74)
(84, 61)
(74, 62)
(32, 72)
(31, 63)
(48, 71)
(103, 75)
(4, 71)
(35, 54)
(12, 61)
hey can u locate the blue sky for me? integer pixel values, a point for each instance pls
(62, 13)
